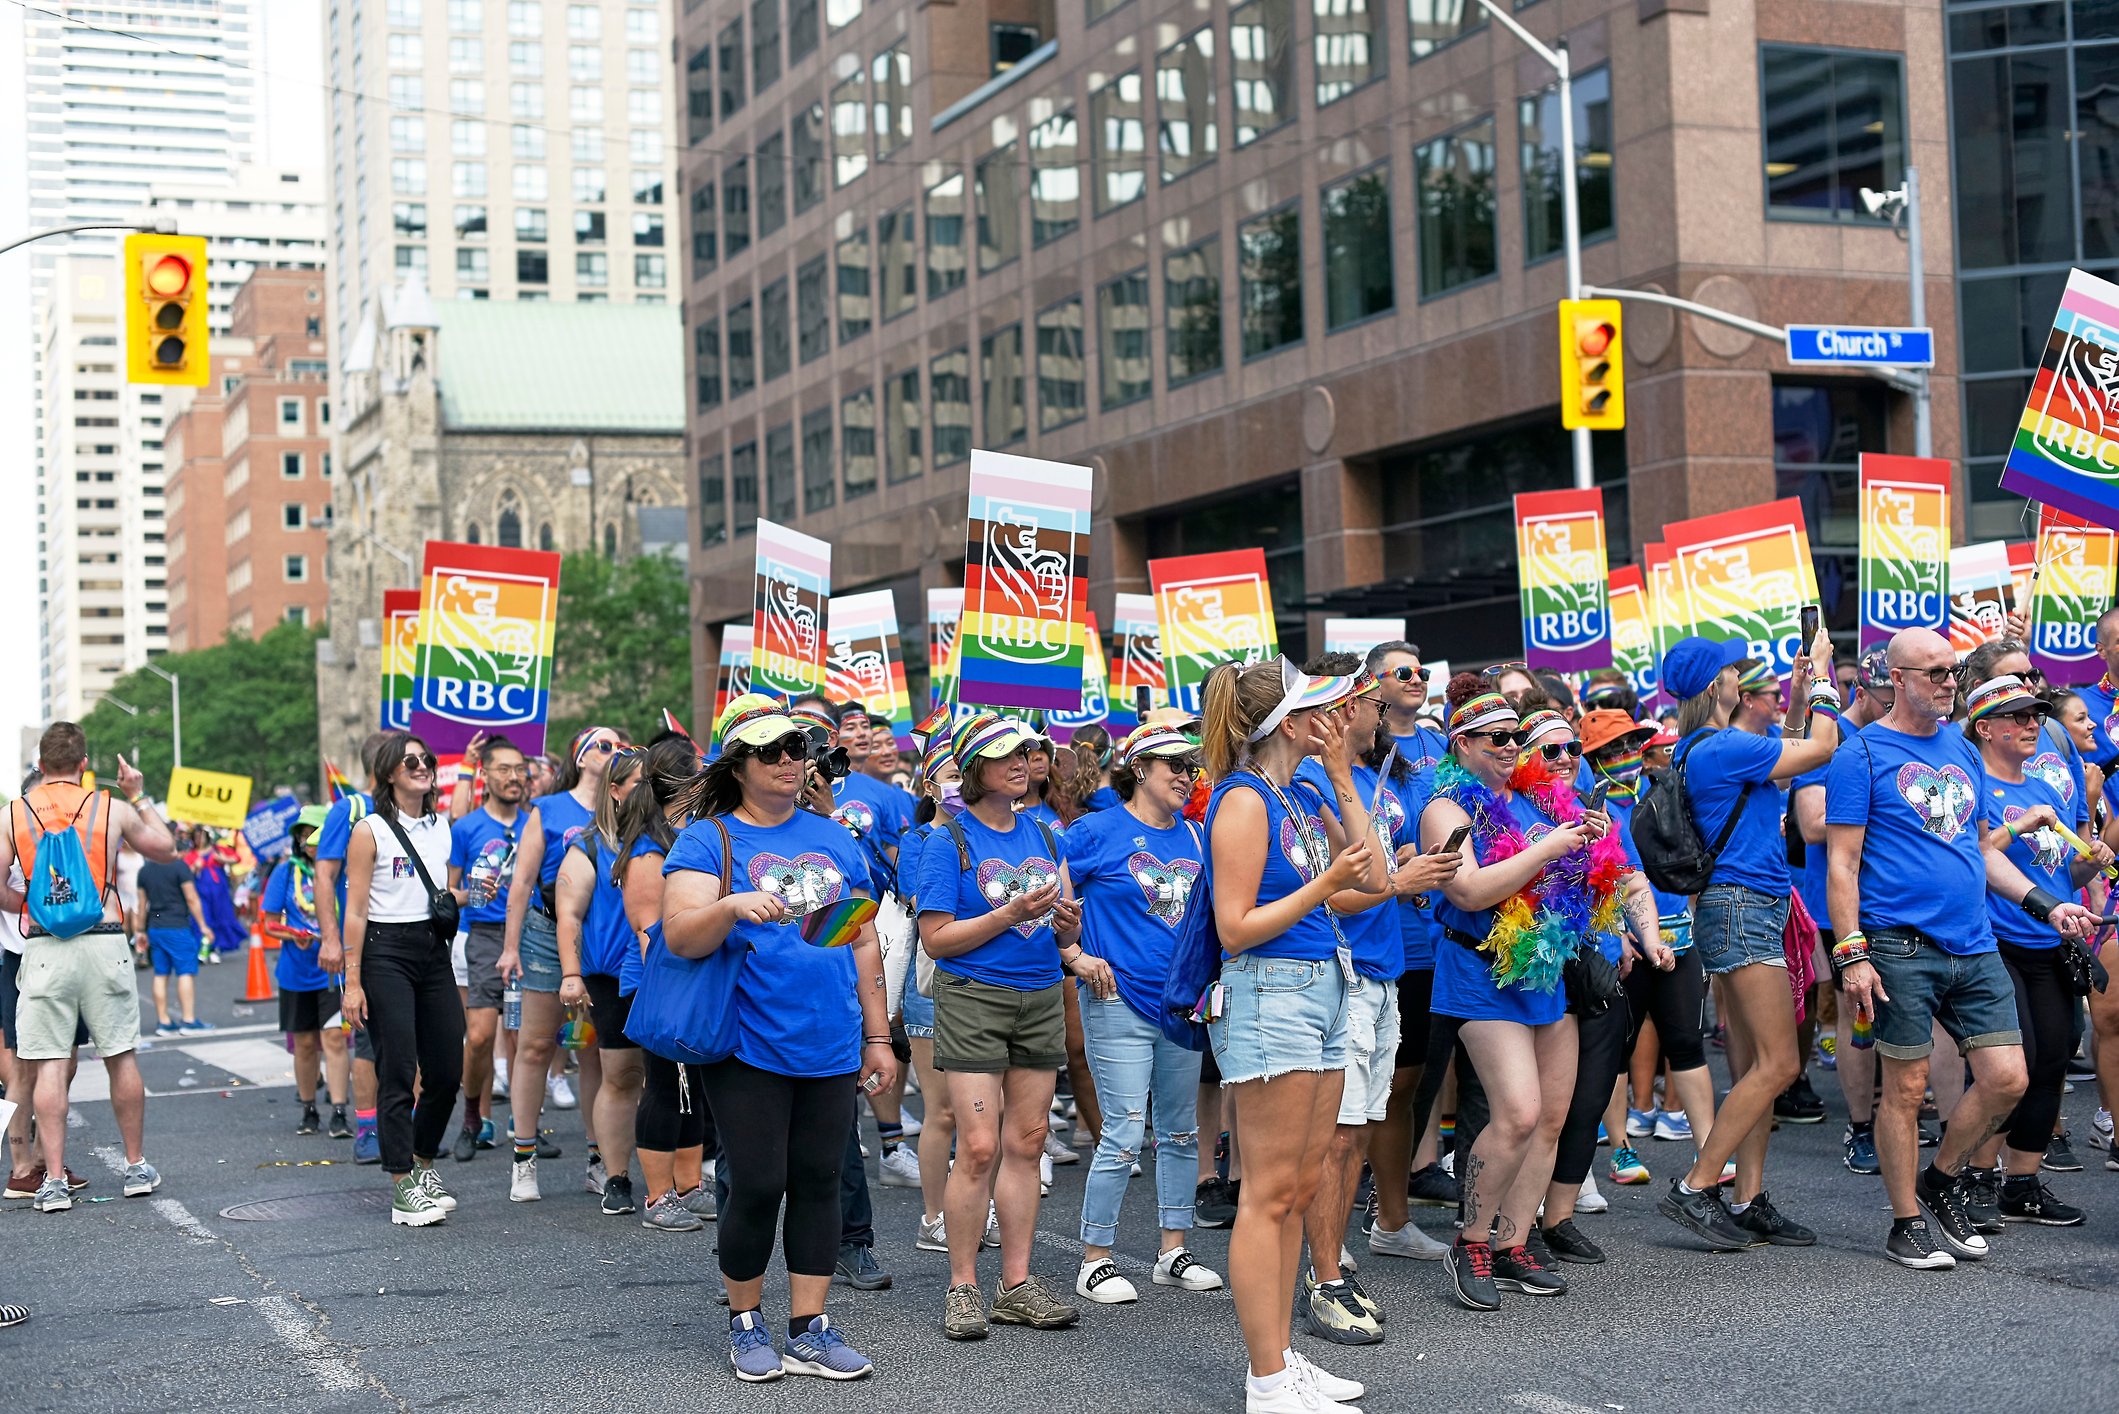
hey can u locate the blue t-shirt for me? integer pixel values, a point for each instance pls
(1102, 798)
(337, 830)
(1374, 934)
(1133, 882)
(1666, 905)
(874, 808)
(1288, 864)
(1024, 958)
(1722, 768)
(630, 966)
(1041, 811)
(1423, 750)
(2042, 855)
(2059, 765)
(1464, 977)
(797, 1010)
(1811, 883)
(1416, 915)
(295, 901)
(2104, 720)
(1919, 797)
(909, 846)
(484, 849)
(562, 818)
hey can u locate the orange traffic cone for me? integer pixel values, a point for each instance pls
(258, 987)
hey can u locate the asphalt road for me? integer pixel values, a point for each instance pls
(169, 1304)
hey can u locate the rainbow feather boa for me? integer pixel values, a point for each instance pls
(1572, 898)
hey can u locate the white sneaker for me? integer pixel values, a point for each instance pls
(992, 1237)
(522, 1186)
(1449, 1163)
(1057, 1152)
(1292, 1397)
(500, 1077)
(912, 1124)
(1099, 1281)
(934, 1234)
(1328, 1385)
(1044, 1174)
(596, 1176)
(1590, 1200)
(562, 1093)
(1407, 1241)
(2102, 1123)
(900, 1168)
(1346, 1261)
(1177, 1268)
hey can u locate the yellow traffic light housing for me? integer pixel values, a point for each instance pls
(165, 310)
(1592, 365)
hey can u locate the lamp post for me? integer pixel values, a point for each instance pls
(131, 711)
(176, 712)
(1903, 207)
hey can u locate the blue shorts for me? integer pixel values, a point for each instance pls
(1281, 1014)
(540, 953)
(916, 1011)
(1970, 994)
(173, 951)
(1734, 927)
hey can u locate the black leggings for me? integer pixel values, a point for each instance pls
(1602, 1056)
(1676, 1000)
(673, 1110)
(784, 1136)
(416, 1021)
(2045, 1008)
(1472, 1112)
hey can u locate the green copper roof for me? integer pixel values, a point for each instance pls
(551, 367)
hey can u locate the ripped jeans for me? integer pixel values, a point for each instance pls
(1138, 1069)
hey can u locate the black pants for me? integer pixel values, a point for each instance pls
(1676, 1000)
(2045, 1008)
(1472, 1112)
(416, 1020)
(857, 1215)
(785, 1137)
(673, 1110)
(1601, 1057)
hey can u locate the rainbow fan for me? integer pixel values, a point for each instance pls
(839, 924)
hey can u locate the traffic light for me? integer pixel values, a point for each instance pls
(1592, 365)
(165, 309)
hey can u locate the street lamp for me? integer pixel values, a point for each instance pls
(131, 711)
(161, 226)
(1902, 207)
(331, 523)
(176, 713)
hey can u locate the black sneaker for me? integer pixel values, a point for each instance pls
(1953, 1224)
(2081, 1068)
(1434, 1187)
(1566, 1242)
(2060, 1156)
(1911, 1244)
(2111, 1157)
(618, 1195)
(2028, 1200)
(1705, 1215)
(857, 1267)
(1518, 1269)
(1982, 1201)
(1471, 1268)
(1799, 1104)
(341, 1127)
(311, 1121)
(1767, 1227)
(466, 1146)
(1213, 1205)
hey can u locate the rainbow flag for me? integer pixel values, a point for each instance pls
(1213, 609)
(484, 660)
(336, 784)
(1905, 545)
(1096, 707)
(2066, 452)
(1564, 576)
(732, 676)
(1358, 636)
(2077, 567)
(1137, 652)
(400, 657)
(945, 613)
(1745, 575)
(1022, 642)
(1980, 583)
(787, 625)
(1632, 633)
(865, 661)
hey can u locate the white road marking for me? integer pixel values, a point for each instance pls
(256, 1060)
(1542, 1403)
(181, 1219)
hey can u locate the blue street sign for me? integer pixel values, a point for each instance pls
(1860, 343)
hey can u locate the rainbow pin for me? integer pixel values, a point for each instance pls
(838, 924)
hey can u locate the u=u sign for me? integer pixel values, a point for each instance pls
(215, 798)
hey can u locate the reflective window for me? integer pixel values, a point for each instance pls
(1357, 249)
(1262, 64)
(1538, 124)
(729, 60)
(743, 486)
(856, 303)
(819, 475)
(780, 473)
(1834, 123)
(1269, 268)
(1345, 46)
(1001, 386)
(801, 32)
(1184, 105)
(892, 72)
(1456, 200)
(900, 272)
(812, 310)
(706, 230)
(735, 207)
(1116, 116)
(901, 427)
(1430, 24)
(849, 131)
(742, 350)
(713, 502)
(772, 183)
(699, 94)
(857, 419)
(774, 335)
(807, 148)
(949, 379)
(1062, 387)
(706, 362)
(995, 192)
(764, 43)
(945, 239)
(1192, 311)
(1055, 178)
(1124, 361)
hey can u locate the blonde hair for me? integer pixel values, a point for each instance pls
(1234, 701)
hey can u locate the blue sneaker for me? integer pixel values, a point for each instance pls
(750, 1350)
(1639, 1123)
(1603, 1137)
(368, 1148)
(819, 1351)
(1859, 1151)
(1672, 1124)
(194, 1026)
(485, 1134)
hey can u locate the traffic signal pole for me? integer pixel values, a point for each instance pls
(164, 227)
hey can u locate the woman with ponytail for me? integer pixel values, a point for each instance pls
(1540, 878)
(1277, 1019)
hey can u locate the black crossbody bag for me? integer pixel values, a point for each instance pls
(442, 909)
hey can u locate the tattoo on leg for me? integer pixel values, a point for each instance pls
(979, 1106)
(1473, 1164)
(1504, 1231)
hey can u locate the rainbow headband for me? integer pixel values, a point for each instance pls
(584, 738)
(1299, 692)
(1540, 722)
(2006, 691)
(1759, 677)
(1482, 710)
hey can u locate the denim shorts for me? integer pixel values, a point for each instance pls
(916, 1011)
(1971, 996)
(1371, 1052)
(1281, 1014)
(540, 953)
(1734, 927)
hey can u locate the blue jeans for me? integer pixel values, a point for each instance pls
(1136, 1068)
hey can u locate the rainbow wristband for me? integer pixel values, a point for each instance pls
(1849, 950)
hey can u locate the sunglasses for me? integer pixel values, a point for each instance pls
(2032, 675)
(1499, 738)
(419, 761)
(1183, 765)
(1555, 752)
(787, 748)
(2023, 718)
(1938, 677)
(1404, 674)
(602, 744)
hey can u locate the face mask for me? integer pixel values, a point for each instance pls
(1624, 774)
(952, 798)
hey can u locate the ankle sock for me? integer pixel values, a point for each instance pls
(1267, 1384)
(364, 1121)
(1737, 1209)
(1934, 1180)
(798, 1326)
(1688, 1190)
(1862, 1126)
(525, 1152)
(735, 1316)
(892, 1135)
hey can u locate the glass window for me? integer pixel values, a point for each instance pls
(408, 176)
(900, 273)
(467, 138)
(1121, 142)
(2010, 134)
(857, 416)
(647, 228)
(590, 185)
(772, 183)
(713, 502)
(901, 426)
(467, 16)
(1192, 311)
(467, 96)
(643, 105)
(849, 131)
(527, 143)
(585, 105)
(1262, 63)
(1346, 47)
(1062, 391)
(764, 43)
(995, 193)
(640, 67)
(407, 51)
(1123, 356)
(589, 227)
(468, 178)
(410, 258)
(530, 224)
(525, 61)
(651, 272)
(526, 18)
(471, 222)
(892, 72)
(1055, 179)
(706, 362)
(1269, 269)
(532, 267)
(812, 310)
(819, 475)
(526, 100)
(585, 63)
(743, 486)
(775, 340)
(780, 473)
(1538, 122)
(1184, 104)
(1456, 177)
(1010, 44)
(729, 52)
(592, 269)
(808, 150)
(742, 351)
(1100, 8)
(587, 144)
(474, 264)
(1001, 386)
(699, 94)
(1819, 431)
(642, 27)
(706, 230)
(1430, 24)
(945, 239)
(838, 14)
(735, 207)
(647, 188)
(407, 92)
(409, 218)
(949, 379)
(801, 30)
(466, 56)
(532, 183)
(408, 134)
(1834, 123)
(1357, 249)
(856, 304)
(584, 22)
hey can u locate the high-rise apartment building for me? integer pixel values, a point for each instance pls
(500, 149)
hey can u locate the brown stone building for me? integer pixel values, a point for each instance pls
(1285, 272)
(249, 487)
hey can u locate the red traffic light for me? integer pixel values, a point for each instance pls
(1593, 337)
(169, 276)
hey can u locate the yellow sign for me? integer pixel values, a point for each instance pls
(209, 798)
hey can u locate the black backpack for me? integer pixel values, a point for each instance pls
(1667, 837)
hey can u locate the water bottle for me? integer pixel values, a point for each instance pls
(511, 1007)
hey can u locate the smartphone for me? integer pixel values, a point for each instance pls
(1456, 839)
(1143, 700)
(1812, 617)
(872, 1084)
(1596, 797)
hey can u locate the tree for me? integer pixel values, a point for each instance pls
(249, 709)
(624, 644)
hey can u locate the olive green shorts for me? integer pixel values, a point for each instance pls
(982, 1029)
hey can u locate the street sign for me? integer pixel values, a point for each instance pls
(1861, 343)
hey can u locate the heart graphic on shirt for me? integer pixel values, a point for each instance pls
(2048, 767)
(1425, 763)
(856, 816)
(1300, 859)
(804, 884)
(1165, 883)
(2111, 724)
(2047, 848)
(999, 883)
(1941, 797)
(1390, 815)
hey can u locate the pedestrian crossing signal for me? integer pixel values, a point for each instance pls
(1592, 365)
(165, 310)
